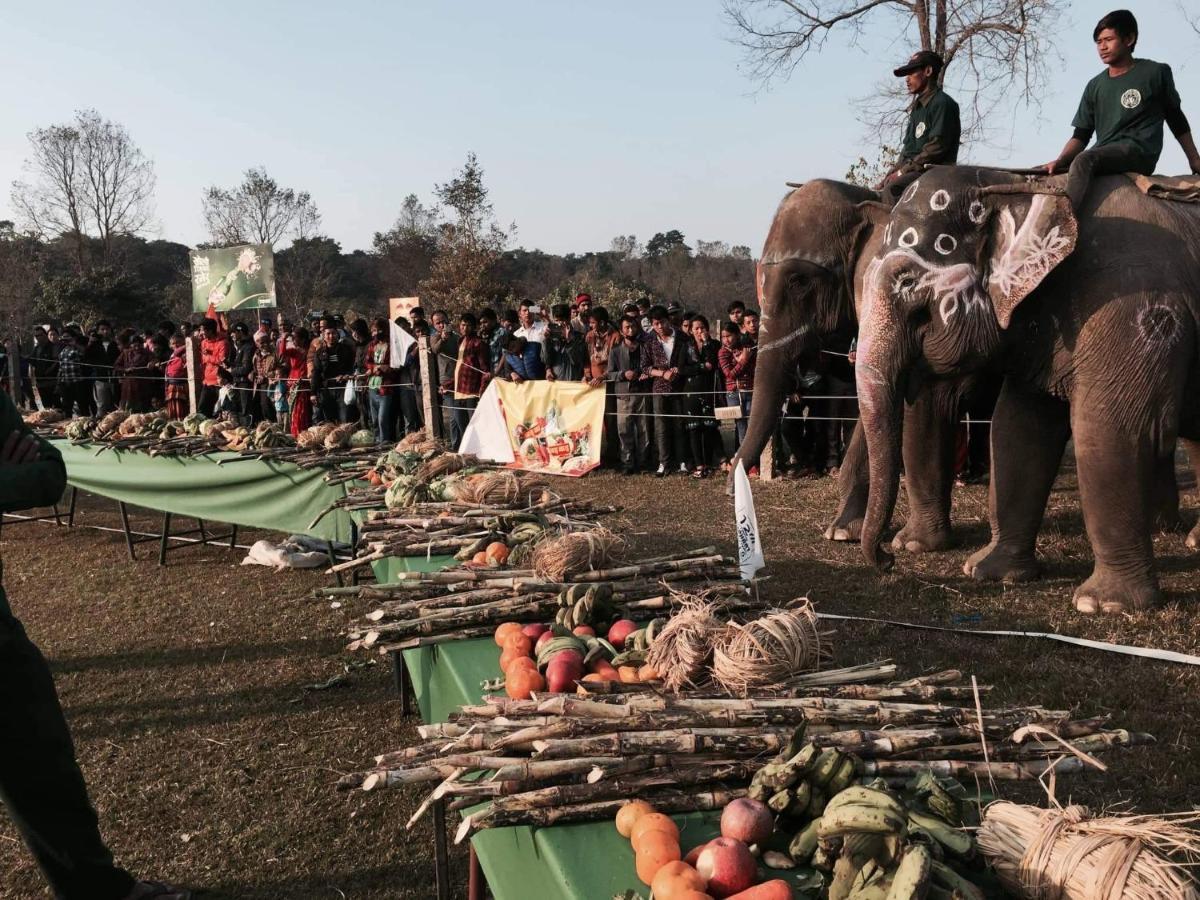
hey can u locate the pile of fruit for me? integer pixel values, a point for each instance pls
(724, 867)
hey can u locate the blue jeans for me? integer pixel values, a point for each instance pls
(742, 399)
(460, 417)
(383, 411)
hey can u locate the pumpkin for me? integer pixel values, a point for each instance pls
(629, 674)
(498, 551)
(479, 559)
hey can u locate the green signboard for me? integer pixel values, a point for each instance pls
(228, 278)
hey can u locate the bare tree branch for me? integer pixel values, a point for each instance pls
(259, 211)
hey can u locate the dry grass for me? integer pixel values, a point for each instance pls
(185, 687)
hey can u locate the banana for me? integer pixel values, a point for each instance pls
(864, 846)
(816, 803)
(803, 759)
(956, 842)
(949, 880)
(865, 796)
(853, 817)
(758, 791)
(801, 797)
(844, 874)
(843, 776)
(911, 878)
(780, 801)
(824, 767)
(777, 775)
(804, 845)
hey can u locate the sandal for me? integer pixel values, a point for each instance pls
(698, 472)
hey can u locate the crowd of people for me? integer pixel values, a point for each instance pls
(671, 375)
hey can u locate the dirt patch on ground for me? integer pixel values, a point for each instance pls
(212, 761)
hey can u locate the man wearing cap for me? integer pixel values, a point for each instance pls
(583, 308)
(933, 132)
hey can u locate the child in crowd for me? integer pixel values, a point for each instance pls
(278, 394)
(175, 374)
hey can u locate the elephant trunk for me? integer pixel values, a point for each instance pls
(879, 406)
(766, 408)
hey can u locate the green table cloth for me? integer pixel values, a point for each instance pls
(276, 496)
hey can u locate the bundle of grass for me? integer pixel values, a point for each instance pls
(501, 487)
(769, 649)
(682, 650)
(420, 442)
(339, 437)
(441, 464)
(1068, 854)
(556, 559)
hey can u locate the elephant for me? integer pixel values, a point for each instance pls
(810, 272)
(1093, 323)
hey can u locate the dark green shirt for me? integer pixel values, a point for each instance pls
(934, 120)
(1130, 108)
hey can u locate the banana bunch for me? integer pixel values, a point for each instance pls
(192, 424)
(237, 439)
(268, 435)
(799, 786)
(584, 604)
(172, 428)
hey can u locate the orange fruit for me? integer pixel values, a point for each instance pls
(654, 821)
(506, 629)
(497, 550)
(521, 683)
(655, 850)
(676, 880)
(517, 640)
(521, 662)
(648, 673)
(628, 814)
(629, 674)
(479, 559)
(508, 657)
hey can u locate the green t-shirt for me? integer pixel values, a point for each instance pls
(1130, 108)
(936, 118)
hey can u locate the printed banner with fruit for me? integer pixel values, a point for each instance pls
(552, 426)
(229, 278)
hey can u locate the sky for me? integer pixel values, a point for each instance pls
(589, 119)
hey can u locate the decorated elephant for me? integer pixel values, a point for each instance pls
(1093, 321)
(812, 266)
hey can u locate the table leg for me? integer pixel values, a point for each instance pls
(233, 538)
(162, 544)
(203, 534)
(400, 679)
(476, 884)
(441, 860)
(71, 511)
(125, 525)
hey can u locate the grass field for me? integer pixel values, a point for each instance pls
(211, 760)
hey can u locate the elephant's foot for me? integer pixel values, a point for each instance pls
(1193, 538)
(923, 537)
(1111, 594)
(996, 562)
(848, 531)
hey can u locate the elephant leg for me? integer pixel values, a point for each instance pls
(1193, 451)
(1166, 494)
(854, 480)
(1029, 434)
(1116, 490)
(928, 450)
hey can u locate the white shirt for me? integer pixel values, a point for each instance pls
(535, 333)
(668, 345)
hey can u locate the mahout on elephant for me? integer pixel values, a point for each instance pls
(1093, 322)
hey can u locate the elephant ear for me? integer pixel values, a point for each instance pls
(1030, 234)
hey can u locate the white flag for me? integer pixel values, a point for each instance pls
(749, 544)
(401, 340)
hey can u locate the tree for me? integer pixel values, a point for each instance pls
(712, 248)
(868, 174)
(308, 275)
(999, 51)
(102, 293)
(20, 267)
(663, 243)
(468, 246)
(740, 251)
(406, 251)
(626, 246)
(259, 211)
(88, 179)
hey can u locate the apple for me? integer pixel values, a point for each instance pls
(727, 865)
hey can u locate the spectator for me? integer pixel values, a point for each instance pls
(675, 316)
(600, 340)
(643, 305)
(666, 354)
(360, 339)
(750, 326)
(565, 352)
(700, 384)
(241, 370)
(295, 356)
(444, 345)
(416, 316)
(214, 352)
(630, 382)
(73, 388)
(583, 310)
(737, 361)
(175, 377)
(472, 371)
(734, 312)
(333, 364)
(278, 395)
(43, 364)
(100, 357)
(266, 361)
(498, 339)
(381, 392)
(160, 352)
(533, 328)
(522, 361)
(409, 383)
(132, 367)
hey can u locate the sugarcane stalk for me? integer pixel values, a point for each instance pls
(969, 769)
(732, 741)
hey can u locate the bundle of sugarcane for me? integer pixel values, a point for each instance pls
(1070, 853)
(444, 613)
(561, 757)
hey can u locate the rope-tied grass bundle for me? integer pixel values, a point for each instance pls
(443, 464)
(419, 442)
(555, 559)
(682, 650)
(1048, 854)
(769, 649)
(500, 488)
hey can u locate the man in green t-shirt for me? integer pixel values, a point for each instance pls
(1125, 106)
(933, 132)
(40, 783)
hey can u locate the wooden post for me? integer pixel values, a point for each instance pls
(14, 371)
(195, 372)
(431, 401)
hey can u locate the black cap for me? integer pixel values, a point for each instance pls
(674, 307)
(920, 60)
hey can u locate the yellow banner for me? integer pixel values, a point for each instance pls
(553, 426)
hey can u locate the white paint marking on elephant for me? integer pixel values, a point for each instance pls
(1158, 325)
(940, 200)
(977, 212)
(887, 233)
(908, 238)
(1025, 255)
(788, 338)
(911, 192)
(945, 244)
